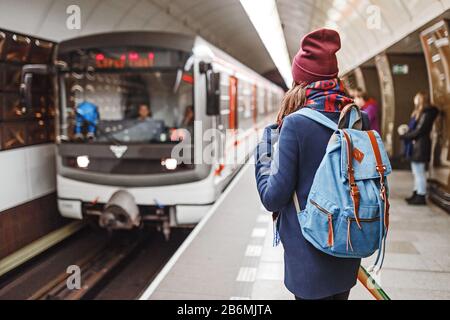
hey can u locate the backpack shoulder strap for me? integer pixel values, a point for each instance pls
(318, 117)
(355, 121)
(381, 168)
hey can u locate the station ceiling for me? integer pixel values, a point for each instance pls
(225, 23)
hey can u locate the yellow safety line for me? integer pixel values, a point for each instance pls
(37, 247)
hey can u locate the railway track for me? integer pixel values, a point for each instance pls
(120, 266)
(93, 267)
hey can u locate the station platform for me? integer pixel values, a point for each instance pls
(230, 254)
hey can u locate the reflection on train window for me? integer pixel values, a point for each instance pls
(37, 132)
(130, 107)
(20, 127)
(18, 48)
(2, 44)
(41, 51)
(11, 108)
(40, 106)
(14, 135)
(51, 134)
(12, 78)
(41, 83)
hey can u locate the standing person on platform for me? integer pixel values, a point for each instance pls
(370, 106)
(421, 126)
(291, 167)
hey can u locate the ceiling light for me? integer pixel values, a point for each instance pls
(264, 16)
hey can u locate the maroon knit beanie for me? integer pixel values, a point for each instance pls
(316, 59)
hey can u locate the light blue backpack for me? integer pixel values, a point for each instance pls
(347, 213)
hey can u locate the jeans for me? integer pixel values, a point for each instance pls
(420, 177)
(341, 296)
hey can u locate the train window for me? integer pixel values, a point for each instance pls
(261, 101)
(224, 101)
(40, 106)
(12, 78)
(14, 135)
(41, 83)
(17, 127)
(51, 133)
(37, 132)
(18, 48)
(245, 104)
(132, 107)
(11, 108)
(2, 44)
(41, 52)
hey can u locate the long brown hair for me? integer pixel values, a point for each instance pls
(423, 102)
(293, 100)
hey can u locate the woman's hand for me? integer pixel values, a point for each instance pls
(264, 151)
(271, 135)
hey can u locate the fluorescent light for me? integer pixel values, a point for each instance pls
(334, 14)
(264, 16)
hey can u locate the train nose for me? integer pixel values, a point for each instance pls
(120, 212)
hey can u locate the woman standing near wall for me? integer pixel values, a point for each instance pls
(424, 116)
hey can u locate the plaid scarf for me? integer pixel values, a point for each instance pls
(327, 96)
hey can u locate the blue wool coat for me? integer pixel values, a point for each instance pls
(309, 273)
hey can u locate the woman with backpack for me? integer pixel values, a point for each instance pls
(288, 158)
(419, 145)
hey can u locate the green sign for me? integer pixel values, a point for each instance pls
(400, 69)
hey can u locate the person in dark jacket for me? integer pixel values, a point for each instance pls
(423, 117)
(288, 158)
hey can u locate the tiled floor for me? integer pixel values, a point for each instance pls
(417, 264)
(232, 257)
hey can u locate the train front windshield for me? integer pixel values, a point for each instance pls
(128, 104)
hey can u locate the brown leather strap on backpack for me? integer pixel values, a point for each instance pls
(354, 190)
(381, 169)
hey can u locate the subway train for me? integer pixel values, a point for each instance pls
(150, 126)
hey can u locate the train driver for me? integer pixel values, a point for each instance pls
(144, 112)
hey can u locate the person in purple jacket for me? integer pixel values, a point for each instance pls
(287, 159)
(370, 106)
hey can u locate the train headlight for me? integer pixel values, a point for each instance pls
(170, 164)
(83, 162)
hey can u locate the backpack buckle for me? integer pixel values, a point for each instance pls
(354, 189)
(381, 169)
(383, 192)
